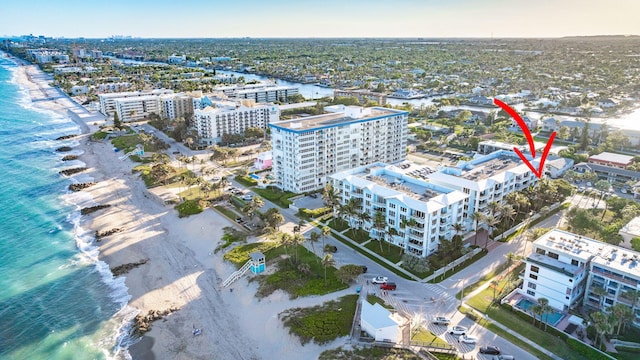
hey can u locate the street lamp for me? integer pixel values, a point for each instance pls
(461, 291)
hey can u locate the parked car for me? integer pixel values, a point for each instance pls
(504, 357)
(467, 339)
(490, 349)
(247, 197)
(388, 286)
(379, 280)
(458, 330)
(441, 320)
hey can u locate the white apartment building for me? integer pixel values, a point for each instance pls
(137, 108)
(566, 268)
(229, 117)
(107, 101)
(421, 212)
(306, 151)
(485, 179)
(262, 92)
(557, 269)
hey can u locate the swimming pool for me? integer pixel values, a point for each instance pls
(552, 318)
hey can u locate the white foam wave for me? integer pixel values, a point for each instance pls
(119, 294)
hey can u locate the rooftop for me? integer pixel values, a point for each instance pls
(612, 157)
(489, 168)
(605, 255)
(632, 227)
(333, 119)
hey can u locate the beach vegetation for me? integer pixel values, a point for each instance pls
(246, 180)
(323, 323)
(99, 135)
(373, 353)
(349, 273)
(231, 236)
(289, 277)
(189, 207)
(239, 255)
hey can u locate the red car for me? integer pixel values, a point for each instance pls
(388, 286)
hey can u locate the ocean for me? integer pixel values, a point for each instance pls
(57, 301)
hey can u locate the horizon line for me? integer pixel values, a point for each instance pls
(132, 37)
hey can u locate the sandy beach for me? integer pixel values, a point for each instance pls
(181, 271)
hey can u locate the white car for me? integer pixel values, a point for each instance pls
(467, 339)
(379, 280)
(458, 330)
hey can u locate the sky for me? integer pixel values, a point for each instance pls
(325, 18)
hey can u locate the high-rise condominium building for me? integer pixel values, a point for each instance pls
(306, 151)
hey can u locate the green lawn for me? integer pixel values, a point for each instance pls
(278, 197)
(372, 299)
(357, 235)
(291, 278)
(338, 224)
(323, 323)
(468, 289)
(126, 143)
(389, 251)
(425, 336)
(189, 207)
(370, 256)
(453, 271)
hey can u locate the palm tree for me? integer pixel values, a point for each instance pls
(380, 223)
(493, 208)
(545, 308)
(313, 238)
(327, 260)
(457, 227)
(286, 240)
(601, 324)
(620, 314)
(491, 222)
(494, 286)
(536, 311)
(326, 231)
(508, 212)
(331, 198)
(477, 217)
(297, 240)
(600, 292)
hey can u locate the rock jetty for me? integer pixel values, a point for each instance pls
(80, 186)
(64, 149)
(70, 157)
(142, 323)
(125, 268)
(100, 234)
(89, 210)
(72, 171)
(65, 137)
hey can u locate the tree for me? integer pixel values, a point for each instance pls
(546, 309)
(327, 260)
(477, 217)
(297, 240)
(491, 222)
(584, 137)
(326, 231)
(331, 198)
(273, 218)
(494, 286)
(457, 227)
(313, 238)
(600, 292)
(601, 324)
(536, 311)
(380, 223)
(116, 121)
(620, 314)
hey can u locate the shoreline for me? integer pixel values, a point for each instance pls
(182, 271)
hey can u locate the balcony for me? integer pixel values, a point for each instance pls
(615, 277)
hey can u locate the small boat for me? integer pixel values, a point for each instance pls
(197, 332)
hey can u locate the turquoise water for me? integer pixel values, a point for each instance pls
(57, 301)
(552, 318)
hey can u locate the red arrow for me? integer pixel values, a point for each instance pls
(527, 134)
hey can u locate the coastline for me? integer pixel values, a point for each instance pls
(182, 271)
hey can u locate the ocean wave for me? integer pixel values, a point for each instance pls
(119, 294)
